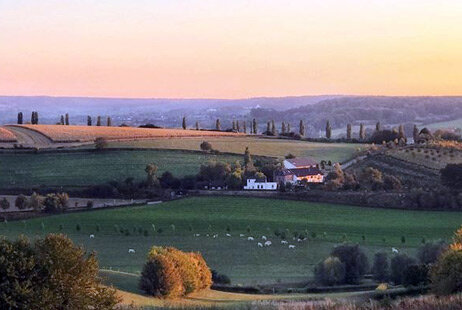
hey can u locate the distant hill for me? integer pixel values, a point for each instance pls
(368, 110)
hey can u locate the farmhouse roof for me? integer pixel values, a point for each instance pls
(302, 161)
(298, 172)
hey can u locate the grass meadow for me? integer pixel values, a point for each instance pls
(175, 223)
(73, 169)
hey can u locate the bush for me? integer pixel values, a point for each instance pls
(219, 278)
(399, 264)
(206, 146)
(56, 202)
(381, 268)
(21, 202)
(4, 204)
(429, 253)
(446, 274)
(100, 143)
(331, 271)
(355, 261)
(416, 275)
(89, 204)
(172, 273)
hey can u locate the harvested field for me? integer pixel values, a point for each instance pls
(64, 134)
(7, 136)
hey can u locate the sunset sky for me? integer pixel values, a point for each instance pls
(230, 49)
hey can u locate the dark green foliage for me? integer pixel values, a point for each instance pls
(331, 271)
(20, 118)
(416, 275)
(451, 176)
(399, 265)
(206, 146)
(55, 202)
(429, 252)
(21, 202)
(355, 261)
(219, 278)
(380, 268)
(4, 204)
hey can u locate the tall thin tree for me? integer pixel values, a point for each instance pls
(67, 119)
(20, 118)
(283, 128)
(218, 124)
(328, 130)
(98, 121)
(362, 132)
(348, 134)
(88, 120)
(301, 129)
(244, 126)
(254, 126)
(183, 123)
(197, 125)
(109, 121)
(61, 122)
(378, 126)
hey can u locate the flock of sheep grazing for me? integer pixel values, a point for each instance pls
(264, 243)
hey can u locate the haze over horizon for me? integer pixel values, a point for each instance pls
(230, 50)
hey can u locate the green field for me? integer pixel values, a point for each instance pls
(73, 169)
(235, 256)
(449, 124)
(336, 152)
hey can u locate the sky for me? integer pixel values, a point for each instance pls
(230, 49)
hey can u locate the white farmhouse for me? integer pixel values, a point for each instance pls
(260, 184)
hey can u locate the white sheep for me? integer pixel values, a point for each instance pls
(197, 235)
(299, 240)
(215, 236)
(264, 237)
(395, 250)
(250, 238)
(241, 235)
(259, 244)
(131, 251)
(228, 235)
(268, 243)
(92, 236)
(291, 246)
(284, 242)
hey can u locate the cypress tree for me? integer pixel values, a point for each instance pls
(415, 133)
(268, 127)
(20, 117)
(301, 130)
(234, 125)
(283, 128)
(362, 132)
(98, 121)
(109, 121)
(218, 124)
(67, 119)
(348, 132)
(273, 128)
(88, 120)
(328, 130)
(197, 125)
(288, 127)
(378, 126)
(254, 124)
(184, 122)
(244, 126)
(238, 128)
(61, 122)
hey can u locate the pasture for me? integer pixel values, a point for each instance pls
(177, 222)
(74, 169)
(336, 152)
(454, 124)
(427, 156)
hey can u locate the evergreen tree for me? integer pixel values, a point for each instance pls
(402, 134)
(88, 120)
(20, 118)
(273, 128)
(362, 132)
(378, 126)
(288, 127)
(218, 125)
(415, 133)
(268, 127)
(244, 126)
(348, 132)
(98, 121)
(61, 122)
(301, 130)
(238, 128)
(197, 125)
(254, 126)
(109, 121)
(67, 119)
(283, 128)
(234, 125)
(328, 130)
(184, 122)
(248, 163)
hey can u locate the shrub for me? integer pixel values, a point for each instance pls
(172, 273)
(89, 204)
(21, 202)
(220, 278)
(416, 275)
(429, 252)
(100, 143)
(355, 261)
(206, 146)
(446, 274)
(4, 204)
(331, 271)
(399, 265)
(380, 268)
